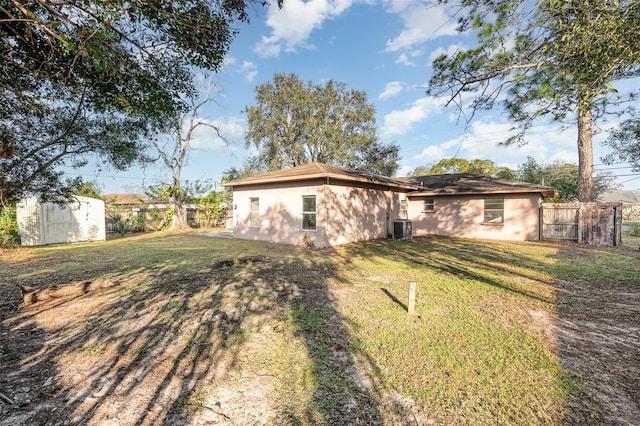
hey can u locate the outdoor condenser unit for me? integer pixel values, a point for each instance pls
(402, 229)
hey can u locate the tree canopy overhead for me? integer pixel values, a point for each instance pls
(294, 123)
(460, 165)
(624, 141)
(545, 59)
(129, 55)
(562, 176)
(96, 77)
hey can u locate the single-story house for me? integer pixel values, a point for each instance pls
(328, 205)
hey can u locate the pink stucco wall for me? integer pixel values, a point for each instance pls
(347, 214)
(344, 213)
(462, 216)
(280, 213)
(358, 214)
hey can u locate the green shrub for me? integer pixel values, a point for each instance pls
(120, 222)
(9, 236)
(157, 219)
(635, 230)
(138, 222)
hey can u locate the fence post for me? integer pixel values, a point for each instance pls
(412, 298)
(581, 220)
(541, 222)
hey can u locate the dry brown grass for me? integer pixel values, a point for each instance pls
(526, 333)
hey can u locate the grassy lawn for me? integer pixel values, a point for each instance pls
(204, 330)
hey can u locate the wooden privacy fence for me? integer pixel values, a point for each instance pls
(588, 223)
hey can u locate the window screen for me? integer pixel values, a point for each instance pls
(309, 212)
(254, 212)
(429, 205)
(494, 210)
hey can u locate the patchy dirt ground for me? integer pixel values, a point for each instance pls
(188, 350)
(598, 339)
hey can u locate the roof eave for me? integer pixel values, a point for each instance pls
(543, 192)
(324, 175)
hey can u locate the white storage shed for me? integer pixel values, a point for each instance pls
(81, 219)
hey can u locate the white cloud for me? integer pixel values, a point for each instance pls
(232, 129)
(423, 21)
(431, 153)
(228, 61)
(434, 153)
(400, 122)
(250, 76)
(391, 89)
(397, 6)
(512, 166)
(292, 25)
(404, 60)
(268, 47)
(565, 157)
(484, 142)
(404, 170)
(543, 143)
(250, 70)
(449, 51)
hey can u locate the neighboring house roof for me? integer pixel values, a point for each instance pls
(620, 196)
(452, 184)
(470, 184)
(125, 199)
(319, 170)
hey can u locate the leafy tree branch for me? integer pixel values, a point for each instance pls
(550, 59)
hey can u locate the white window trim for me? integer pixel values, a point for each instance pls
(302, 228)
(404, 212)
(484, 211)
(252, 212)
(424, 210)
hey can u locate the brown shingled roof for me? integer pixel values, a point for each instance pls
(451, 184)
(125, 199)
(470, 184)
(319, 170)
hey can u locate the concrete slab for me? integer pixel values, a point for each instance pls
(217, 234)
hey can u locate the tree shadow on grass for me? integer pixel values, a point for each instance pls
(159, 347)
(598, 332)
(592, 295)
(485, 264)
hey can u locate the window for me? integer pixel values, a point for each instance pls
(254, 212)
(429, 205)
(309, 212)
(404, 208)
(494, 210)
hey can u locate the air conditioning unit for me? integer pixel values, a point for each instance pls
(402, 229)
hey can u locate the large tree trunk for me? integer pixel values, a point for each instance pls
(179, 220)
(585, 154)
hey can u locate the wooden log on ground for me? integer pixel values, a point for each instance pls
(31, 295)
(240, 261)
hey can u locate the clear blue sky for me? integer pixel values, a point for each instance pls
(383, 48)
